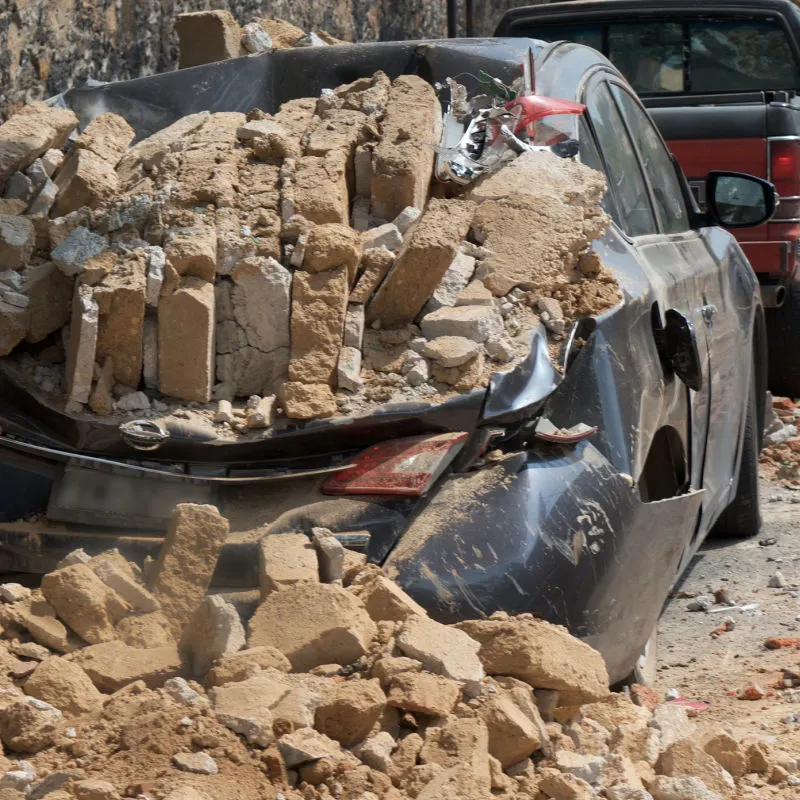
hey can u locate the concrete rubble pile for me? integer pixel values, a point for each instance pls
(780, 458)
(293, 264)
(328, 681)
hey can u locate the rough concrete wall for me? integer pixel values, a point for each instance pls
(46, 46)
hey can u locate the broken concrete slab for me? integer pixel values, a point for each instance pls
(313, 624)
(107, 136)
(207, 36)
(29, 725)
(113, 665)
(307, 400)
(237, 667)
(423, 693)
(85, 179)
(82, 345)
(262, 283)
(64, 685)
(124, 584)
(332, 245)
(187, 560)
(375, 265)
(49, 293)
(214, 631)
(76, 249)
(430, 250)
(193, 251)
(350, 713)
(13, 326)
(451, 351)
(385, 600)
(286, 559)
(320, 188)
(17, 241)
(477, 323)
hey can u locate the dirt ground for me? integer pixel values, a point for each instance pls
(715, 668)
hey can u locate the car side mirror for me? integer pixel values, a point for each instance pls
(738, 200)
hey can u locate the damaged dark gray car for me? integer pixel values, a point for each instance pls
(578, 493)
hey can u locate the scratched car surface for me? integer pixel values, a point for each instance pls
(587, 530)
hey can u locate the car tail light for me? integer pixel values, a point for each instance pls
(785, 175)
(407, 466)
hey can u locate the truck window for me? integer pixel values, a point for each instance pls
(658, 167)
(625, 180)
(703, 55)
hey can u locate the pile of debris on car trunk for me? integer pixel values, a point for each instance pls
(327, 681)
(297, 261)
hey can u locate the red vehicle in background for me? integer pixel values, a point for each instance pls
(721, 80)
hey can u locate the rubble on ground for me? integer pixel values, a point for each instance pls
(343, 689)
(248, 269)
(780, 457)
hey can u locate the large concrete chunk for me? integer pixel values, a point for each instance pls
(313, 624)
(443, 649)
(423, 262)
(459, 741)
(331, 246)
(37, 616)
(320, 188)
(375, 263)
(237, 667)
(207, 36)
(17, 240)
(13, 326)
(49, 293)
(319, 307)
(108, 136)
(64, 685)
(187, 560)
(514, 732)
(403, 160)
(113, 665)
(543, 655)
(82, 345)
(350, 713)
(29, 725)
(214, 630)
(686, 759)
(424, 693)
(262, 285)
(476, 323)
(121, 580)
(307, 400)
(286, 559)
(385, 600)
(186, 341)
(454, 281)
(77, 249)
(193, 251)
(84, 602)
(85, 179)
(120, 301)
(30, 133)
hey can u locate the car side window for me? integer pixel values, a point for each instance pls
(634, 213)
(658, 166)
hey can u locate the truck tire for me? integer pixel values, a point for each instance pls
(783, 339)
(743, 516)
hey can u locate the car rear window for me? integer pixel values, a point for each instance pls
(703, 55)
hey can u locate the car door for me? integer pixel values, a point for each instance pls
(711, 303)
(661, 242)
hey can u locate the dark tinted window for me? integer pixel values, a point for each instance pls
(635, 215)
(657, 164)
(693, 55)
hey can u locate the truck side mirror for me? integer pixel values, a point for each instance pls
(738, 200)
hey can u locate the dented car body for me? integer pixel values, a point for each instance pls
(583, 481)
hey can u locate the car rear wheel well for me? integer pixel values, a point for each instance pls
(665, 470)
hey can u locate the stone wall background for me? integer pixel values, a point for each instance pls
(46, 46)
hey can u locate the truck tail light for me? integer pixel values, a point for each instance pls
(407, 466)
(785, 174)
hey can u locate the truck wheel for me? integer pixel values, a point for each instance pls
(743, 516)
(783, 339)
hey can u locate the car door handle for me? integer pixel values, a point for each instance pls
(709, 312)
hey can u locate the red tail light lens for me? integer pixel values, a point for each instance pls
(398, 467)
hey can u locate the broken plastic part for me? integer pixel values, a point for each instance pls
(407, 466)
(546, 431)
(143, 434)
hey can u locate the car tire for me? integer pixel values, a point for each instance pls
(783, 338)
(742, 517)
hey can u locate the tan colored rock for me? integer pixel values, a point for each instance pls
(235, 667)
(84, 602)
(424, 693)
(64, 685)
(728, 753)
(320, 188)
(384, 669)
(146, 630)
(514, 732)
(319, 307)
(307, 400)
(664, 788)
(375, 264)
(282, 33)
(49, 292)
(207, 36)
(543, 655)
(108, 136)
(286, 559)
(17, 241)
(122, 581)
(112, 665)
(186, 341)
(94, 789)
(403, 160)
(562, 786)
(30, 133)
(455, 783)
(37, 616)
(214, 631)
(13, 326)
(443, 649)
(306, 745)
(332, 245)
(459, 742)
(685, 758)
(313, 624)
(385, 600)
(431, 248)
(451, 351)
(84, 180)
(29, 725)
(187, 560)
(193, 252)
(474, 294)
(351, 712)
(120, 300)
